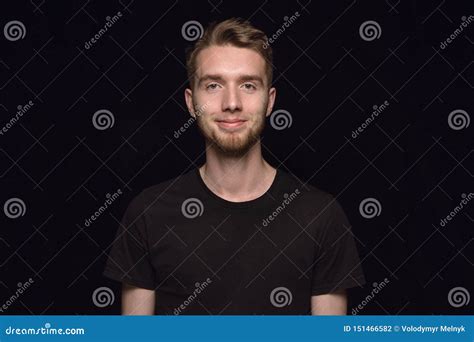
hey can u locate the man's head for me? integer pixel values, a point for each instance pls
(230, 94)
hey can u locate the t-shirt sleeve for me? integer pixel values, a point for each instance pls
(337, 264)
(129, 260)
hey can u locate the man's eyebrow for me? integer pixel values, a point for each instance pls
(242, 78)
(210, 77)
(251, 78)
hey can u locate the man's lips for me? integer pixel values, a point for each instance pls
(231, 120)
(231, 123)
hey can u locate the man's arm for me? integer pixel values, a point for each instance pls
(137, 301)
(329, 304)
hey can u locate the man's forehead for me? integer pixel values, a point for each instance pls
(229, 60)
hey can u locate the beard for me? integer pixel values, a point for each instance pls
(232, 144)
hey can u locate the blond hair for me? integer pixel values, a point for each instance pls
(236, 32)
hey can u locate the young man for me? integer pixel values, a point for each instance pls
(235, 236)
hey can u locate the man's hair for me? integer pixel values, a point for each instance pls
(235, 32)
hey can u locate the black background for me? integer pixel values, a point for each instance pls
(326, 76)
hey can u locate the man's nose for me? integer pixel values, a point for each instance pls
(231, 101)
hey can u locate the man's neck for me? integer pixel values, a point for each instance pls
(237, 179)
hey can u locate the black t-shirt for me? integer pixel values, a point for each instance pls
(203, 254)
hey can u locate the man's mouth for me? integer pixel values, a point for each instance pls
(231, 123)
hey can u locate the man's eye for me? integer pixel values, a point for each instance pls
(249, 86)
(212, 86)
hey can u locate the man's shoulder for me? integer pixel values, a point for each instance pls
(308, 188)
(312, 204)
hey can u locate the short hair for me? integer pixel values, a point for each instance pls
(236, 32)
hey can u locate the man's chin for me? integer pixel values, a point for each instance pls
(235, 144)
(231, 150)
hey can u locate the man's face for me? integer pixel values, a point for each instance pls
(230, 97)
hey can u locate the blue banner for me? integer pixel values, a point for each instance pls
(237, 328)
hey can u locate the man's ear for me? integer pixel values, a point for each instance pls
(188, 96)
(271, 100)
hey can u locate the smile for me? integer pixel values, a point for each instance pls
(234, 124)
